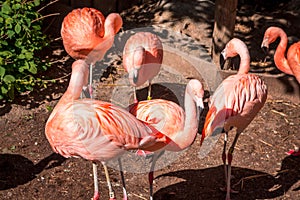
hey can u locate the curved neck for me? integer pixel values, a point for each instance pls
(293, 57)
(245, 61)
(188, 134)
(279, 56)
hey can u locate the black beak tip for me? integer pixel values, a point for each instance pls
(135, 79)
(265, 49)
(222, 61)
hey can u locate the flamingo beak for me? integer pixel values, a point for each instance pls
(223, 58)
(265, 46)
(265, 43)
(134, 75)
(223, 53)
(200, 106)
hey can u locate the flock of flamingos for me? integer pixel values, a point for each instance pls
(99, 131)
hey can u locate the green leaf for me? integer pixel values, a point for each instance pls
(18, 28)
(36, 2)
(28, 55)
(10, 34)
(2, 72)
(6, 53)
(9, 20)
(16, 6)
(9, 79)
(3, 90)
(32, 68)
(4, 42)
(6, 8)
(21, 56)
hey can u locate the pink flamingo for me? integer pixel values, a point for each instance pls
(88, 35)
(289, 65)
(235, 103)
(142, 58)
(171, 120)
(95, 130)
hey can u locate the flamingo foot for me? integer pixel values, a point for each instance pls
(224, 189)
(293, 152)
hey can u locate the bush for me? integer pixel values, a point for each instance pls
(21, 38)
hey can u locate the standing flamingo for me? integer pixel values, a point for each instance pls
(289, 65)
(142, 58)
(95, 130)
(88, 35)
(235, 103)
(171, 120)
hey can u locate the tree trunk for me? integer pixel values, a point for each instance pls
(225, 13)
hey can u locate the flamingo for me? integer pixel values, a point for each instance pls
(289, 65)
(235, 103)
(86, 34)
(171, 120)
(95, 130)
(142, 58)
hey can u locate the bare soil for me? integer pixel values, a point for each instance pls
(261, 168)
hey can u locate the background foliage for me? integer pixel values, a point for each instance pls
(21, 39)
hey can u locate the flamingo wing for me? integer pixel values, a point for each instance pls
(234, 104)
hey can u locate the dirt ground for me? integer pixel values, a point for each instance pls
(261, 168)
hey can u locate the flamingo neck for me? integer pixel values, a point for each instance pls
(77, 81)
(279, 56)
(188, 134)
(245, 61)
(293, 57)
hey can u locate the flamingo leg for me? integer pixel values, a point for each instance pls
(230, 157)
(96, 190)
(134, 95)
(224, 155)
(123, 179)
(91, 80)
(149, 91)
(151, 173)
(111, 192)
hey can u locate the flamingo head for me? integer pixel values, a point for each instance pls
(271, 34)
(195, 88)
(138, 61)
(232, 48)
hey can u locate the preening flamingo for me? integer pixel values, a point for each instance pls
(142, 58)
(235, 103)
(95, 130)
(289, 65)
(180, 126)
(86, 34)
